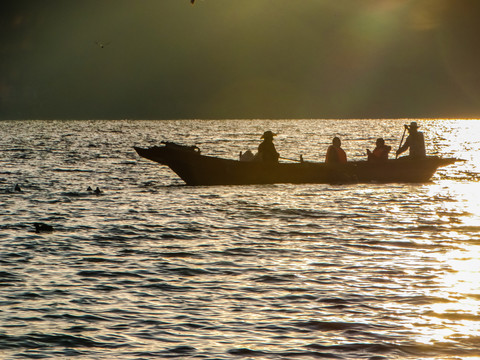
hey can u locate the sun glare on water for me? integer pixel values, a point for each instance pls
(456, 316)
(454, 312)
(459, 139)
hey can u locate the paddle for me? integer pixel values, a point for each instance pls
(401, 141)
(301, 159)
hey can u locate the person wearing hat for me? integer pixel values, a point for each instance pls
(415, 142)
(266, 150)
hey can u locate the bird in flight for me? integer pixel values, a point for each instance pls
(102, 45)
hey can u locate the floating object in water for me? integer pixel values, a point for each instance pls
(97, 191)
(17, 188)
(42, 227)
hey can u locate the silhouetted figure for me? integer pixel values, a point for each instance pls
(266, 150)
(415, 142)
(41, 227)
(98, 191)
(335, 153)
(17, 188)
(380, 153)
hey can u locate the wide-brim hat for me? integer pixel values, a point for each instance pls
(268, 134)
(414, 125)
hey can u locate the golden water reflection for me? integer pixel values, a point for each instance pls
(455, 138)
(456, 313)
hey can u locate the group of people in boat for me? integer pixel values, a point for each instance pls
(415, 143)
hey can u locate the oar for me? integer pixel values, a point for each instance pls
(401, 141)
(284, 158)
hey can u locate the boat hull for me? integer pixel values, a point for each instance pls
(197, 169)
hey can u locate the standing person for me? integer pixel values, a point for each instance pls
(415, 142)
(380, 153)
(266, 150)
(335, 153)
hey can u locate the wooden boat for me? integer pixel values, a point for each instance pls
(197, 169)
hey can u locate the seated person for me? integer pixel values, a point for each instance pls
(335, 153)
(380, 153)
(266, 150)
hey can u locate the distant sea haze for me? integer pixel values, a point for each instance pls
(151, 268)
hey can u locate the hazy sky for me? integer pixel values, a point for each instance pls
(167, 59)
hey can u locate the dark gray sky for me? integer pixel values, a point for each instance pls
(167, 59)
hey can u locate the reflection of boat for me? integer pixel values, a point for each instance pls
(197, 169)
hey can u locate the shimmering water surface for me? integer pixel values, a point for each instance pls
(152, 268)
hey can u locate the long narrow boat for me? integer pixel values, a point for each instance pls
(197, 169)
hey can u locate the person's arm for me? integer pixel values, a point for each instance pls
(404, 147)
(274, 152)
(370, 156)
(260, 148)
(329, 156)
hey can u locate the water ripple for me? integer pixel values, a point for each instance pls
(152, 268)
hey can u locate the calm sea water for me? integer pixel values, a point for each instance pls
(152, 268)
